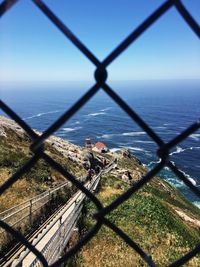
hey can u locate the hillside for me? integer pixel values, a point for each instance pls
(14, 152)
(157, 217)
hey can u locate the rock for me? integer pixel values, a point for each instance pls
(126, 153)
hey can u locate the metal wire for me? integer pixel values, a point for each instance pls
(100, 75)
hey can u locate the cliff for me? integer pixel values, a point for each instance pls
(157, 217)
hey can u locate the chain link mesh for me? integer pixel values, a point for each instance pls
(37, 146)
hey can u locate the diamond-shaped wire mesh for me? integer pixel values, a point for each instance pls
(100, 76)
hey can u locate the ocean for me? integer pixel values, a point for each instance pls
(167, 106)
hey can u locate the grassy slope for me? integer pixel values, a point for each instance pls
(148, 218)
(14, 152)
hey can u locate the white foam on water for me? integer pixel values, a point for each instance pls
(153, 162)
(122, 134)
(107, 136)
(175, 182)
(196, 203)
(195, 137)
(192, 180)
(105, 109)
(177, 151)
(180, 149)
(160, 127)
(189, 178)
(95, 114)
(71, 129)
(145, 142)
(133, 133)
(42, 114)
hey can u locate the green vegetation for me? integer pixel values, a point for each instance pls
(14, 153)
(149, 218)
(157, 217)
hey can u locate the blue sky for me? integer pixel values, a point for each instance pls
(33, 49)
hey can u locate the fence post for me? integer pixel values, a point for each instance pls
(49, 195)
(30, 212)
(60, 236)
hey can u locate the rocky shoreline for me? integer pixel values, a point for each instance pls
(129, 169)
(74, 153)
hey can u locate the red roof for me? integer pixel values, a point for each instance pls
(100, 145)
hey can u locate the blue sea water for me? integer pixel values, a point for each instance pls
(168, 108)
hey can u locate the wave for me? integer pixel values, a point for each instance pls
(177, 151)
(197, 203)
(175, 182)
(189, 177)
(42, 114)
(153, 162)
(145, 142)
(192, 180)
(160, 127)
(71, 129)
(95, 114)
(105, 109)
(133, 133)
(180, 149)
(195, 137)
(107, 136)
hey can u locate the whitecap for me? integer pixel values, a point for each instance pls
(71, 129)
(105, 109)
(42, 114)
(107, 136)
(195, 137)
(180, 150)
(160, 127)
(189, 177)
(153, 162)
(95, 114)
(193, 147)
(133, 133)
(145, 142)
(136, 148)
(177, 151)
(196, 203)
(192, 180)
(122, 134)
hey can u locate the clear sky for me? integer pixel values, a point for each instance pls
(33, 49)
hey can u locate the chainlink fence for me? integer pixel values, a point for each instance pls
(37, 146)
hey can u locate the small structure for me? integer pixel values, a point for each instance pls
(101, 147)
(88, 143)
